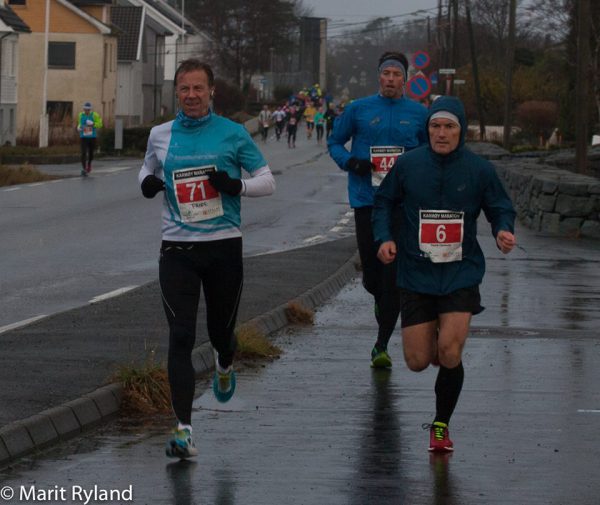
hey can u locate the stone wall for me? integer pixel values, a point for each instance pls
(552, 200)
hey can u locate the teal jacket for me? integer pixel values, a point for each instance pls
(461, 182)
(86, 130)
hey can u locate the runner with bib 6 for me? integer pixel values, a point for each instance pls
(441, 188)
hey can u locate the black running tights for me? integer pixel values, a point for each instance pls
(378, 279)
(184, 268)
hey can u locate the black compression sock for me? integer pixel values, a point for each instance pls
(448, 386)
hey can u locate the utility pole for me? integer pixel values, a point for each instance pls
(510, 58)
(447, 43)
(475, 69)
(454, 40)
(440, 56)
(582, 94)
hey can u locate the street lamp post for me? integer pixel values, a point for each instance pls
(43, 137)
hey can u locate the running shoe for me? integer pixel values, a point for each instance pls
(88, 168)
(83, 172)
(224, 384)
(181, 444)
(439, 437)
(380, 359)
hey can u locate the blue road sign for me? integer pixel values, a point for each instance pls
(418, 86)
(421, 59)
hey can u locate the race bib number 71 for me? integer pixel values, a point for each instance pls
(441, 234)
(196, 198)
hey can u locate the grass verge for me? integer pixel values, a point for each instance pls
(145, 389)
(252, 344)
(24, 174)
(297, 313)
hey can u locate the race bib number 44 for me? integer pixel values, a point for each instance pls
(383, 157)
(441, 234)
(196, 198)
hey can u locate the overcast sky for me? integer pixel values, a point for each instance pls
(360, 11)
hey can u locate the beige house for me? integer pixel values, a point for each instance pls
(11, 26)
(82, 61)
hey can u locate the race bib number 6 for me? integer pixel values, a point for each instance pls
(441, 235)
(383, 157)
(196, 198)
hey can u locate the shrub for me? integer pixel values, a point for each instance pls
(135, 140)
(537, 117)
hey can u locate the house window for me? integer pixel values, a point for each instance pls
(59, 112)
(17, 2)
(61, 55)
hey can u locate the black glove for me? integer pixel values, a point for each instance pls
(151, 185)
(360, 167)
(221, 181)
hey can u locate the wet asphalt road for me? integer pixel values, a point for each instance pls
(318, 426)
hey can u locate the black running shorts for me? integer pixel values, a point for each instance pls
(417, 308)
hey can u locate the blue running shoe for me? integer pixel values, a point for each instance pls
(181, 444)
(224, 384)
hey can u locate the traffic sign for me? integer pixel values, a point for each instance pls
(421, 59)
(418, 86)
(447, 71)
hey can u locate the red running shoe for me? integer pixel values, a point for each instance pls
(439, 437)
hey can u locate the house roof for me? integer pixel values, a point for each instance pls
(129, 21)
(172, 14)
(101, 27)
(8, 16)
(85, 3)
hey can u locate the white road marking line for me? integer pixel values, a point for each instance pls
(111, 294)
(588, 411)
(19, 324)
(337, 229)
(344, 221)
(313, 239)
(12, 189)
(350, 213)
(112, 170)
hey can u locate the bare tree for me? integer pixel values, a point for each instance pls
(244, 32)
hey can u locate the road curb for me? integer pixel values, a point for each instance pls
(66, 421)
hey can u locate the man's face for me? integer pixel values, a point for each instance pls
(391, 82)
(444, 135)
(193, 93)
